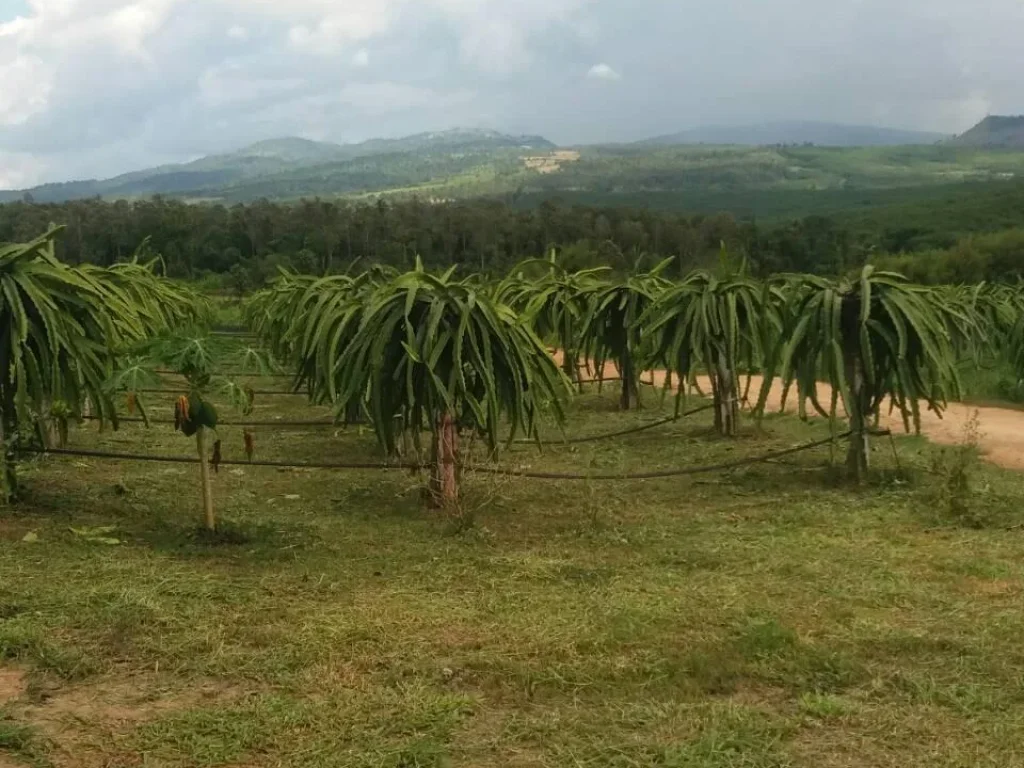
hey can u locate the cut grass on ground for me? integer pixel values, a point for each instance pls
(761, 618)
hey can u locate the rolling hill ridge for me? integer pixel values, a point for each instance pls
(804, 158)
(290, 158)
(796, 132)
(994, 132)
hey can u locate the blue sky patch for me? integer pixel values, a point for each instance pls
(10, 9)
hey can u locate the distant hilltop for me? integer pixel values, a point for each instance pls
(994, 132)
(797, 132)
(293, 166)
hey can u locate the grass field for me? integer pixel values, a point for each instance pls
(758, 618)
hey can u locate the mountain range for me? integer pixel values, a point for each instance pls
(797, 132)
(278, 157)
(468, 162)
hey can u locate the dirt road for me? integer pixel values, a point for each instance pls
(1000, 430)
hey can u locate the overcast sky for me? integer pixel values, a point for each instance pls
(97, 87)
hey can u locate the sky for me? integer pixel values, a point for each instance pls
(93, 88)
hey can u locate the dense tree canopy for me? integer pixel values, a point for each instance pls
(321, 236)
(966, 238)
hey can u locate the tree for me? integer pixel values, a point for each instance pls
(873, 339)
(286, 314)
(718, 324)
(425, 353)
(298, 317)
(610, 329)
(158, 304)
(193, 354)
(59, 329)
(554, 303)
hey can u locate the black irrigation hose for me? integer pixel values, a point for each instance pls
(665, 473)
(239, 374)
(225, 462)
(621, 432)
(263, 392)
(308, 423)
(272, 392)
(607, 379)
(340, 425)
(624, 476)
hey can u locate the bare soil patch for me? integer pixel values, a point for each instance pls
(552, 162)
(82, 723)
(12, 685)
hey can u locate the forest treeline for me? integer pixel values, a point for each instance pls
(245, 244)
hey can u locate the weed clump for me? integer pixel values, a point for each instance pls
(956, 469)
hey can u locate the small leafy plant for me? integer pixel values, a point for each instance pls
(193, 356)
(956, 468)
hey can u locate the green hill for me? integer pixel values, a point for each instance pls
(995, 132)
(295, 166)
(796, 132)
(461, 164)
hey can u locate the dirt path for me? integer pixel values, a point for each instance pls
(1000, 430)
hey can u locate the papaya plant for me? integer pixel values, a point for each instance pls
(195, 356)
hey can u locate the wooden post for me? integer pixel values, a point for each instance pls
(204, 474)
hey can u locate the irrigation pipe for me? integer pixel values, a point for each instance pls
(608, 379)
(237, 374)
(263, 392)
(308, 423)
(621, 476)
(621, 432)
(282, 392)
(342, 425)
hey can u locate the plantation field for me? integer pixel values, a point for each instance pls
(767, 616)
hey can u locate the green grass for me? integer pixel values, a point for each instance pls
(991, 381)
(765, 617)
(21, 741)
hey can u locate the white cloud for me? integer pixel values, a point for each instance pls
(230, 85)
(131, 26)
(17, 170)
(385, 97)
(26, 88)
(498, 37)
(15, 26)
(496, 47)
(361, 58)
(238, 32)
(603, 72)
(343, 24)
